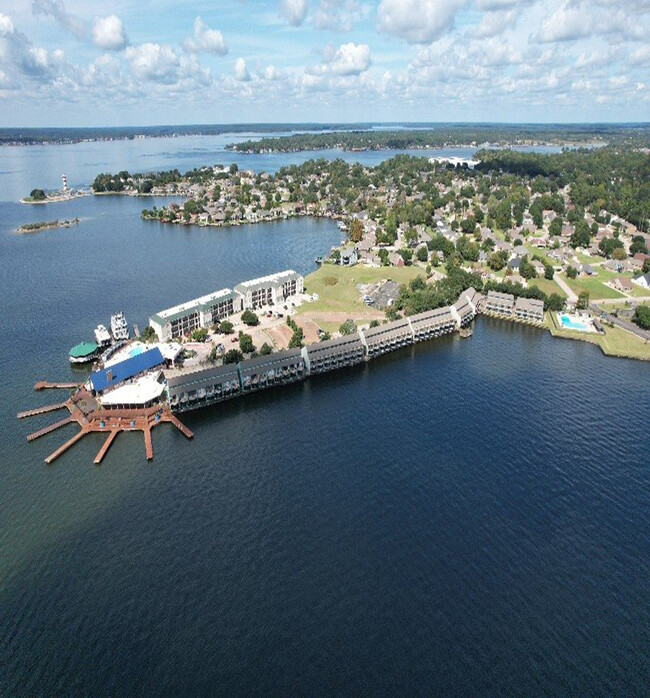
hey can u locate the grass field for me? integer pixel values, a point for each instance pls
(615, 341)
(337, 287)
(548, 286)
(594, 285)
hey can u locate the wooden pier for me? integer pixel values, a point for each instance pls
(42, 410)
(44, 385)
(85, 411)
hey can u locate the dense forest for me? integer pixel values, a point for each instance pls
(452, 135)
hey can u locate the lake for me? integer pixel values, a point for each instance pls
(464, 517)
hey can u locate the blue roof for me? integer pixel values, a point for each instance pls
(111, 376)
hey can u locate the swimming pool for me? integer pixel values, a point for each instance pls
(570, 323)
(136, 351)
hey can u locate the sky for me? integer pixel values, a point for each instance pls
(148, 62)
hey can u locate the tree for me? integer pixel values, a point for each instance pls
(571, 272)
(555, 302)
(356, 230)
(348, 327)
(422, 254)
(407, 255)
(233, 356)
(374, 323)
(608, 245)
(581, 236)
(526, 269)
(226, 327)
(646, 266)
(265, 349)
(555, 226)
(619, 253)
(638, 245)
(199, 335)
(496, 261)
(549, 272)
(583, 300)
(250, 318)
(642, 316)
(149, 334)
(383, 257)
(37, 194)
(246, 343)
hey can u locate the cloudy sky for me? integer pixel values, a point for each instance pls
(138, 62)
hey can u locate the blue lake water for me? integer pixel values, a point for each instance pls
(466, 517)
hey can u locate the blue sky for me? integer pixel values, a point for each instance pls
(139, 62)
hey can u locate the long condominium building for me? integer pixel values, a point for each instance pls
(201, 312)
(183, 319)
(270, 290)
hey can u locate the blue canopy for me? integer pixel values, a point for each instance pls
(111, 376)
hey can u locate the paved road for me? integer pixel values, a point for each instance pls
(623, 324)
(571, 296)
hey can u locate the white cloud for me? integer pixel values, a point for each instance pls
(270, 73)
(338, 15)
(294, 11)
(641, 56)
(351, 59)
(153, 62)
(6, 25)
(497, 21)
(417, 21)
(109, 34)
(206, 40)
(241, 71)
(56, 10)
(567, 23)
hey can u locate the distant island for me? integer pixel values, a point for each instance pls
(450, 135)
(47, 225)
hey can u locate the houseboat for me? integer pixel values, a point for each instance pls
(119, 328)
(102, 336)
(83, 353)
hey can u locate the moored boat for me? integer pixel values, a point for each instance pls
(119, 327)
(83, 353)
(102, 336)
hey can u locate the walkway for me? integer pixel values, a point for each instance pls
(571, 295)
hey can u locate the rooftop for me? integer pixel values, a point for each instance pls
(197, 304)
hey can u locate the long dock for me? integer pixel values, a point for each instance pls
(68, 444)
(107, 444)
(169, 417)
(43, 410)
(50, 428)
(45, 385)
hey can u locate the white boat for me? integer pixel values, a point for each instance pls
(119, 328)
(102, 336)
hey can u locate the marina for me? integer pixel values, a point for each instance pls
(134, 394)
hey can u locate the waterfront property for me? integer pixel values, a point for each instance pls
(273, 289)
(385, 338)
(334, 353)
(432, 323)
(273, 369)
(192, 315)
(500, 303)
(529, 309)
(112, 376)
(203, 387)
(577, 323)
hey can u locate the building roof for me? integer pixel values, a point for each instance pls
(269, 361)
(207, 376)
(501, 297)
(83, 349)
(139, 392)
(195, 305)
(109, 377)
(266, 281)
(530, 304)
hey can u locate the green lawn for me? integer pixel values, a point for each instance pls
(586, 259)
(615, 341)
(596, 288)
(548, 286)
(639, 292)
(337, 287)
